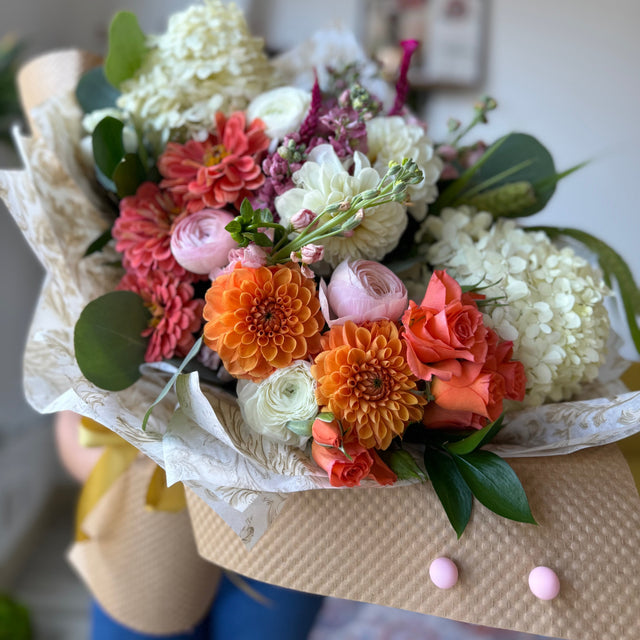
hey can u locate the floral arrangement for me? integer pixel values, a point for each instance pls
(366, 293)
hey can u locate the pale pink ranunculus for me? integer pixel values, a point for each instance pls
(362, 290)
(199, 241)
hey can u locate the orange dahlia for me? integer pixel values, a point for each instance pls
(262, 319)
(365, 381)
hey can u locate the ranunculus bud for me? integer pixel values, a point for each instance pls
(282, 110)
(199, 241)
(362, 290)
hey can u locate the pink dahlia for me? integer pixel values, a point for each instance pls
(143, 231)
(175, 315)
(223, 169)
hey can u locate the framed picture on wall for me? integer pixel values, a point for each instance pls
(452, 36)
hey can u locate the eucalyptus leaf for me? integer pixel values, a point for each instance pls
(108, 148)
(450, 487)
(477, 439)
(128, 175)
(613, 266)
(127, 48)
(95, 92)
(495, 484)
(108, 344)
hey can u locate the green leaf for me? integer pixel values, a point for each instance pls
(167, 387)
(234, 226)
(129, 175)
(99, 243)
(261, 239)
(246, 210)
(476, 440)
(450, 487)
(127, 48)
(107, 339)
(300, 427)
(495, 484)
(108, 148)
(326, 416)
(613, 266)
(403, 465)
(264, 215)
(94, 91)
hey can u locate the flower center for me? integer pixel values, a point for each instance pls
(215, 155)
(371, 384)
(269, 317)
(157, 313)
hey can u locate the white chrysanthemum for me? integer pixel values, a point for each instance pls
(286, 395)
(323, 180)
(553, 307)
(207, 61)
(392, 138)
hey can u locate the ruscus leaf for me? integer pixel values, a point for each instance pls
(477, 439)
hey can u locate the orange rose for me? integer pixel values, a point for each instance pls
(436, 417)
(444, 330)
(343, 472)
(327, 433)
(499, 360)
(475, 389)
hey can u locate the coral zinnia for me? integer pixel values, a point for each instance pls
(365, 381)
(263, 319)
(175, 315)
(143, 231)
(221, 170)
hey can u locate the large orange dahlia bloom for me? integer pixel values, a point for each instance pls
(365, 381)
(260, 320)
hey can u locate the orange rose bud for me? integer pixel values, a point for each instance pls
(327, 433)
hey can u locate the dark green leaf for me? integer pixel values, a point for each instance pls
(234, 226)
(613, 266)
(127, 48)
(495, 484)
(403, 465)
(167, 387)
(95, 92)
(477, 439)
(129, 175)
(246, 210)
(450, 487)
(99, 243)
(107, 339)
(108, 148)
(261, 239)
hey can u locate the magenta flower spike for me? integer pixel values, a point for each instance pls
(402, 86)
(310, 123)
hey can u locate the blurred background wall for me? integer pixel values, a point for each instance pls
(565, 72)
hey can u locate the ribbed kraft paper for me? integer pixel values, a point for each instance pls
(142, 566)
(376, 546)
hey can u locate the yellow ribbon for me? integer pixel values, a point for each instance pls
(118, 456)
(630, 447)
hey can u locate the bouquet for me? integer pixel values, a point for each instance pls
(304, 291)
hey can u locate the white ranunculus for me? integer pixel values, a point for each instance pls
(282, 110)
(286, 395)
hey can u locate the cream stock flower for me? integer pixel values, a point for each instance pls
(287, 394)
(552, 306)
(323, 180)
(207, 61)
(391, 138)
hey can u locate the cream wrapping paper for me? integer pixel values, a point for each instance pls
(49, 199)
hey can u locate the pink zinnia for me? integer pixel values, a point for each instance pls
(224, 169)
(143, 231)
(175, 315)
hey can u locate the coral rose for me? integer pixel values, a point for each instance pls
(445, 329)
(343, 472)
(365, 381)
(436, 417)
(224, 169)
(263, 319)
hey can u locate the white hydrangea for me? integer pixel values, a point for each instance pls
(393, 138)
(323, 180)
(207, 61)
(553, 307)
(286, 395)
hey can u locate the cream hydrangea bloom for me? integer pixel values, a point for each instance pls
(553, 306)
(207, 61)
(392, 137)
(323, 180)
(287, 394)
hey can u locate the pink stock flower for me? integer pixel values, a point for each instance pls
(200, 242)
(311, 253)
(143, 231)
(362, 290)
(224, 169)
(175, 315)
(302, 219)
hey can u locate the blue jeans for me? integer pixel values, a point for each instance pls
(234, 615)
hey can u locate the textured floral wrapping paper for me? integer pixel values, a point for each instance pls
(245, 479)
